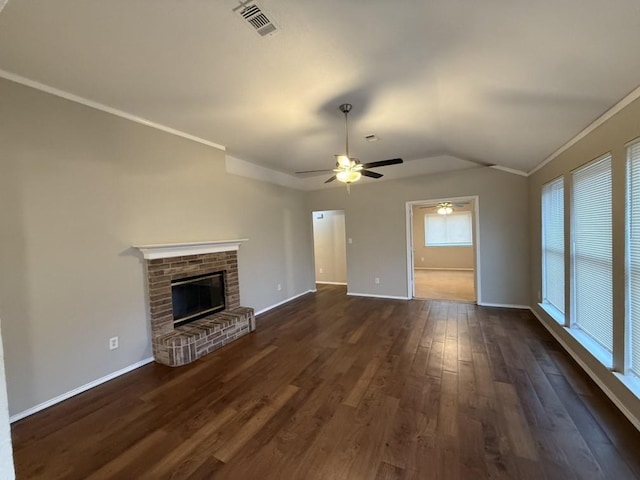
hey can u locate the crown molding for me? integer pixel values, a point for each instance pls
(104, 108)
(626, 101)
(510, 170)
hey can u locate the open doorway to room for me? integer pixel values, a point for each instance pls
(329, 247)
(443, 258)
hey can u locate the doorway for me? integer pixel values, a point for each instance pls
(329, 247)
(442, 248)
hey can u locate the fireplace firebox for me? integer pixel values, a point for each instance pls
(196, 297)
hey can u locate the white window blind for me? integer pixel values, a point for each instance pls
(447, 230)
(592, 252)
(553, 244)
(633, 246)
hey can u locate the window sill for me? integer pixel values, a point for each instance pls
(594, 348)
(630, 381)
(553, 312)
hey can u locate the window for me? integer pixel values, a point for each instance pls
(453, 230)
(633, 258)
(592, 304)
(553, 245)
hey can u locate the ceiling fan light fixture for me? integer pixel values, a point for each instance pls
(344, 161)
(348, 176)
(445, 209)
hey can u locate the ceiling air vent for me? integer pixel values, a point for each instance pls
(256, 18)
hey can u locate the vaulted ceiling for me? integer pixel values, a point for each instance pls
(492, 81)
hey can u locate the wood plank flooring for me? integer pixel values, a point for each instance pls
(337, 387)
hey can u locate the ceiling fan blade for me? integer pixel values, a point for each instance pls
(367, 173)
(330, 179)
(383, 163)
(315, 171)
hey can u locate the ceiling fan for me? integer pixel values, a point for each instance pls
(445, 208)
(349, 169)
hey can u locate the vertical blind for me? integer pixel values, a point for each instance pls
(553, 244)
(592, 252)
(633, 245)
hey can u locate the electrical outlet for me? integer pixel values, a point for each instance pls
(113, 343)
(377, 281)
(422, 259)
(279, 287)
(321, 270)
(350, 241)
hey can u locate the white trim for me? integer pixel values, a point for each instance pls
(630, 381)
(372, 295)
(504, 305)
(169, 250)
(614, 398)
(630, 143)
(266, 309)
(553, 312)
(510, 170)
(76, 391)
(104, 108)
(631, 97)
(331, 283)
(476, 239)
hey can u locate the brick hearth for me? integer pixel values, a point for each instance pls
(186, 343)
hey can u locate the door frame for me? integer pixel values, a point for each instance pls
(346, 249)
(476, 240)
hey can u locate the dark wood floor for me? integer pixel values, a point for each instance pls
(337, 387)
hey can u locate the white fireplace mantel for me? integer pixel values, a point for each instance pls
(168, 250)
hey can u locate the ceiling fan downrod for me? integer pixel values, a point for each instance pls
(346, 108)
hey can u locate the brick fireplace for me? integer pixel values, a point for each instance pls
(166, 263)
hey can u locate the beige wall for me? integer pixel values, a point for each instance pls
(329, 243)
(376, 221)
(609, 137)
(79, 187)
(6, 452)
(458, 258)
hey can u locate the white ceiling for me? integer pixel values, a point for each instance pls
(504, 82)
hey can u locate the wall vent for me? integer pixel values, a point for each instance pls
(256, 17)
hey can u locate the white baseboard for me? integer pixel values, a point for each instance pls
(504, 305)
(614, 398)
(331, 283)
(266, 309)
(111, 376)
(76, 391)
(392, 297)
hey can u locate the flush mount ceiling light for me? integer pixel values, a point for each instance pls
(445, 208)
(349, 169)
